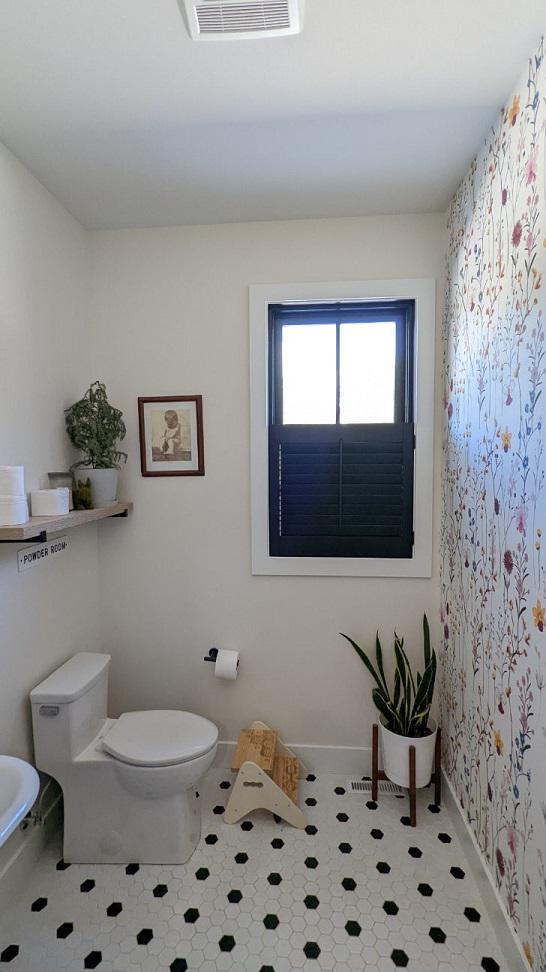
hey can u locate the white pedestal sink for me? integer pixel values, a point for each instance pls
(19, 785)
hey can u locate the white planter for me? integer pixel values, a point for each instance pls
(396, 755)
(104, 486)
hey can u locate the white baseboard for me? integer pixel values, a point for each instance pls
(340, 760)
(20, 852)
(510, 944)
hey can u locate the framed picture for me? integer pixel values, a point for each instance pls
(171, 435)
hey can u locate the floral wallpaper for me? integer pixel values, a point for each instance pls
(494, 506)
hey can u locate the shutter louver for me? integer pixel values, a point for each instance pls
(341, 491)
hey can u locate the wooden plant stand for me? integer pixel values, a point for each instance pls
(267, 777)
(435, 778)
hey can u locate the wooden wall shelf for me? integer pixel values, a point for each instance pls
(38, 527)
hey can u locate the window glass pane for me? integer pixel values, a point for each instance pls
(367, 365)
(309, 374)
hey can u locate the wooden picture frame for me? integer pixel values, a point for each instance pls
(171, 435)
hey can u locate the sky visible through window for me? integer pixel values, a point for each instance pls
(367, 356)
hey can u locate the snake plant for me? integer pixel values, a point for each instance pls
(406, 709)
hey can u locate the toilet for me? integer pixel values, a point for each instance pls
(129, 783)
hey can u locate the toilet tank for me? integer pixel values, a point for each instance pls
(68, 709)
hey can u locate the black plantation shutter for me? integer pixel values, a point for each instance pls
(341, 490)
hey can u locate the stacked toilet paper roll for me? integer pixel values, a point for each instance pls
(13, 500)
(50, 502)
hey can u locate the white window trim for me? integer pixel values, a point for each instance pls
(423, 291)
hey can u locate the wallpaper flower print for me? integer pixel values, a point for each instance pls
(494, 506)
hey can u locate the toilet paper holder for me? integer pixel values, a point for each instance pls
(212, 655)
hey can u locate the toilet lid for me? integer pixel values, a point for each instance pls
(160, 737)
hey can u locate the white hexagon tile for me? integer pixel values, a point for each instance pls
(357, 890)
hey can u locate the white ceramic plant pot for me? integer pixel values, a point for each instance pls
(396, 755)
(104, 486)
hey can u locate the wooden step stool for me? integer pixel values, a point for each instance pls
(267, 777)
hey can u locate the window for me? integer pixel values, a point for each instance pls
(341, 436)
(318, 384)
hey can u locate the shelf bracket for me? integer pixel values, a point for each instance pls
(39, 538)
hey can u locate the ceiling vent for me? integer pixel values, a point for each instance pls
(242, 19)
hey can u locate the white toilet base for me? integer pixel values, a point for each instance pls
(164, 832)
(120, 814)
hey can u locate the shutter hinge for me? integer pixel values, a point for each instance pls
(414, 442)
(413, 538)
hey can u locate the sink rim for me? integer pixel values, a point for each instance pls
(25, 784)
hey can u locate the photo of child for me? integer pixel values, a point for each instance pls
(171, 439)
(171, 435)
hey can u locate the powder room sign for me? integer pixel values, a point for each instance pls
(40, 553)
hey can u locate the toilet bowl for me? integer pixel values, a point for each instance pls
(129, 783)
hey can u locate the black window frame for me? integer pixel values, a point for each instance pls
(359, 440)
(360, 312)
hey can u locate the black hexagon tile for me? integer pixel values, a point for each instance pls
(160, 891)
(425, 890)
(390, 907)
(179, 965)
(39, 904)
(399, 958)
(92, 960)
(490, 965)
(9, 953)
(457, 872)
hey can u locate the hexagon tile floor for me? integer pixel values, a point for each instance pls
(358, 890)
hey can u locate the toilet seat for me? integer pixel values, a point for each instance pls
(159, 737)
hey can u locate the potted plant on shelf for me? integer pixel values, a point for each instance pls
(95, 427)
(405, 711)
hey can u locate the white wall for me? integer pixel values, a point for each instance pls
(168, 311)
(48, 612)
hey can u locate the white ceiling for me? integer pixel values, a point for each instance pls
(377, 107)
